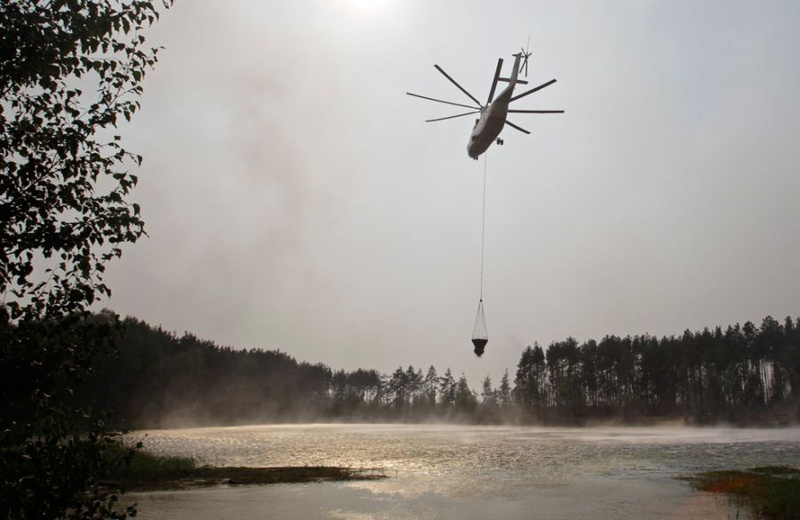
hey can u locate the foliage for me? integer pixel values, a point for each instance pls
(64, 184)
(70, 71)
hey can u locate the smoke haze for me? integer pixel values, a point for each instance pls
(296, 200)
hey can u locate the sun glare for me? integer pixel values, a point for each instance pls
(368, 6)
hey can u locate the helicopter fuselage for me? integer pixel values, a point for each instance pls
(493, 117)
(490, 124)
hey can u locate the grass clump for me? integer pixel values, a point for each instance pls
(768, 492)
(134, 466)
(145, 465)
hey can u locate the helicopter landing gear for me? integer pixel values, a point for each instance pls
(499, 141)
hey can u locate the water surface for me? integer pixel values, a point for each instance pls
(467, 472)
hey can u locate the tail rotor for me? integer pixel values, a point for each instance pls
(526, 53)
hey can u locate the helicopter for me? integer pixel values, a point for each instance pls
(493, 115)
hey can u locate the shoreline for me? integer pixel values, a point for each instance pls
(208, 476)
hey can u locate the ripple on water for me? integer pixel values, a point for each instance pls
(597, 469)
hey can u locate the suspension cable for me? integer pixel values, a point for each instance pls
(483, 220)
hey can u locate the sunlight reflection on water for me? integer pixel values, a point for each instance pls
(440, 471)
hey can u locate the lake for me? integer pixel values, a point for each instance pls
(466, 472)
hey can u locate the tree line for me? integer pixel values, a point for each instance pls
(742, 374)
(157, 378)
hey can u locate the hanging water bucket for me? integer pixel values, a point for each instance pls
(480, 337)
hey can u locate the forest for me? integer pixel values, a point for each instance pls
(743, 375)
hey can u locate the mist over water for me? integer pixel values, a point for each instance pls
(439, 471)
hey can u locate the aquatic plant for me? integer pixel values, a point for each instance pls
(767, 493)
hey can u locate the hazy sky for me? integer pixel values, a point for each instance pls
(296, 200)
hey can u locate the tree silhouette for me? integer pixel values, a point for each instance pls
(70, 72)
(702, 377)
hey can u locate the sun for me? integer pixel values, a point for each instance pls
(368, 6)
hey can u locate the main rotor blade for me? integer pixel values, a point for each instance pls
(494, 81)
(512, 125)
(537, 111)
(531, 91)
(451, 117)
(440, 100)
(456, 84)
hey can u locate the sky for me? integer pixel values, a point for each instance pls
(295, 199)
